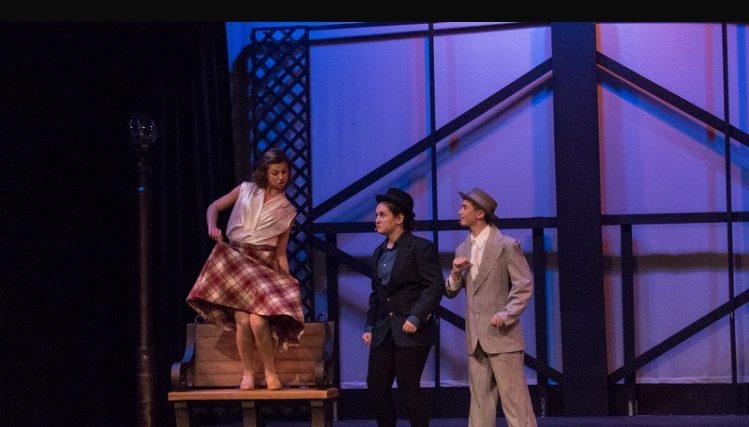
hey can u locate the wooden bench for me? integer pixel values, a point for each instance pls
(210, 370)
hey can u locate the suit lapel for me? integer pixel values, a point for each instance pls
(404, 248)
(376, 260)
(490, 257)
(464, 249)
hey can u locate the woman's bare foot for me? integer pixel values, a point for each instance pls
(248, 382)
(272, 381)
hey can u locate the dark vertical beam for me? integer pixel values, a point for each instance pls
(628, 316)
(433, 169)
(331, 290)
(578, 194)
(542, 333)
(729, 204)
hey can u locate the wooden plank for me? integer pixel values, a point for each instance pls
(311, 330)
(258, 394)
(229, 374)
(182, 414)
(281, 366)
(232, 380)
(229, 343)
(216, 362)
(300, 353)
(201, 367)
(214, 344)
(249, 413)
(321, 413)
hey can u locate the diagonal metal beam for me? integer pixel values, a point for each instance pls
(444, 314)
(620, 73)
(452, 318)
(677, 338)
(430, 140)
(332, 251)
(546, 371)
(530, 361)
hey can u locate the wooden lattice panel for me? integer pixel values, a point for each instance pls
(280, 118)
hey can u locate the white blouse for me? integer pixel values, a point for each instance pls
(258, 223)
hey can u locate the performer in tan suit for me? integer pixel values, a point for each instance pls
(494, 272)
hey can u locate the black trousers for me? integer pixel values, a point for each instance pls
(406, 364)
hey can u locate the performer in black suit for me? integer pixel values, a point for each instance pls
(407, 285)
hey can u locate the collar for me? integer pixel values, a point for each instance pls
(480, 240)
(395, 244)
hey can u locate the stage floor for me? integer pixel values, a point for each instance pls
(640, 420)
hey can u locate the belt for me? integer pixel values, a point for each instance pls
(261, 248)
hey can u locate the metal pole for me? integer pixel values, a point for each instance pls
(143, 133)
(729, 205)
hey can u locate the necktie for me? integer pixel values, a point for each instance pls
(474, 259)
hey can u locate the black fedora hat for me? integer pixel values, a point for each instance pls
(399, 198)
(483, 201)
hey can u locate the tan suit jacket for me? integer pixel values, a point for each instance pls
(503, 285)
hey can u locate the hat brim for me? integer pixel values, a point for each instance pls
(385, 198)
(491, 215)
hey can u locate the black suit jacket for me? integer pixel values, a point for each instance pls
(415, 288)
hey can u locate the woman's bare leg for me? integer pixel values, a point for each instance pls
(246, 347)
(264, 341)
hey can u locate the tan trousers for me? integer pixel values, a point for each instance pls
(492, 376)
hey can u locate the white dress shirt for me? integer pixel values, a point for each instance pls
(477, 250)
(477, 253)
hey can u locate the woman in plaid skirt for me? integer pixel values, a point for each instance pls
(245, 285)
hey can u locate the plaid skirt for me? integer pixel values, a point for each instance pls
(245, 278)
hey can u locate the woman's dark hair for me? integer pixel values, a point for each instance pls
(270, 157)
(409, 220)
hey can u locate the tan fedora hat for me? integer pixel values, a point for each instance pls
(483, 201)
